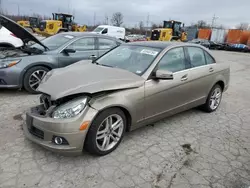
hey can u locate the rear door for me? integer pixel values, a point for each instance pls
(201, 73)
(105, 44)
(83, 48)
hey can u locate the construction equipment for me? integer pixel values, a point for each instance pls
(24, 23)
(60, 23)
(172, 31)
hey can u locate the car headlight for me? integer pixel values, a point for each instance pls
(70, 109)
(6, 64)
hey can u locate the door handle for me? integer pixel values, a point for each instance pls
(211, 69)
(184, 78)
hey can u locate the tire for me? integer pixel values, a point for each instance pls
(92, 144)
(29, 79)
(207, 107)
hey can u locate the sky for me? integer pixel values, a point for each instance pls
(228, 12)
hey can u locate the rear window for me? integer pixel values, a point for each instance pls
(209, 58)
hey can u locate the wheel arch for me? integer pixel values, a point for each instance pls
(221, 84)
(42, 64)
(124, 110)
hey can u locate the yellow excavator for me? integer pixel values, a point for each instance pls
(172, 31)
(60, 23)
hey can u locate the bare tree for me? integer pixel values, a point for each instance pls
(154, 25)
(243, 26)
(117, 19)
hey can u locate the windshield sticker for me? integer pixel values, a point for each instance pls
(69, 36)
(149, 52)
(138, 72)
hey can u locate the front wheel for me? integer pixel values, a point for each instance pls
(213, 99)
(106, 132)
(33, 78)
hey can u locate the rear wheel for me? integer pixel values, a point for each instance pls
(106, 132)
(33, 78)
(213, 99)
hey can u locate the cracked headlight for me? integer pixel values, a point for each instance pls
(70, 109)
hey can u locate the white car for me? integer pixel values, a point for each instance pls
(8, 39)
(117, 32)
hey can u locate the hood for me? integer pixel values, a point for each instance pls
(85, 77)
(19, 31)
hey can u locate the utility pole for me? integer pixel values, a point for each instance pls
(94, 18)
(68, 5)
(214, 18)
(147, 25)
(18, 9)
(1, 9)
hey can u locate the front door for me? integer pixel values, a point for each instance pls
(168, 96)
(82, 49)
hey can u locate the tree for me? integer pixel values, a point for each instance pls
(243, 26)
(141, 25)
(201, 24)
(117, 19)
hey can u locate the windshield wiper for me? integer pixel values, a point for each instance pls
(103, 64)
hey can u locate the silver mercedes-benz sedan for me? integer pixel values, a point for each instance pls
(89, 105)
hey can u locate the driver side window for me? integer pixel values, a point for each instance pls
(105, 31)
(173, 60)
(83, 44)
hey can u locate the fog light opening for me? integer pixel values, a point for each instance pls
(58, 140)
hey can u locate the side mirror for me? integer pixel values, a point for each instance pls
(163, 75)
(67, 51)
(93, 57)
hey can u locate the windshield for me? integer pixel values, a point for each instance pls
(135, 59)
(54, 42)
(98, 29)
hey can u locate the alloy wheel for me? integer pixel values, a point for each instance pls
(109, 132)
(215, 98)
(36, 78)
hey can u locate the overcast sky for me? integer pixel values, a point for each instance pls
(229, 12)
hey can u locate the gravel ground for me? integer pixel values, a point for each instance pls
(191, 149)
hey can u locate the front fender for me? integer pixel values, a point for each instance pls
(132, 100)
(32, 61)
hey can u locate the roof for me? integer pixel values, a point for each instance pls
(82, 34)
(154, 44)
(63, 14)
(162, 44)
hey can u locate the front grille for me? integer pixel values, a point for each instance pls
(155, 35)
(36, 132)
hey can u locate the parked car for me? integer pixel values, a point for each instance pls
(8, 39)
(237, 47)
(135, 38)
(26, 66)
(91, 105)
(208, 44)
(113, 31)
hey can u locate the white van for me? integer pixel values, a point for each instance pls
(117, 32)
